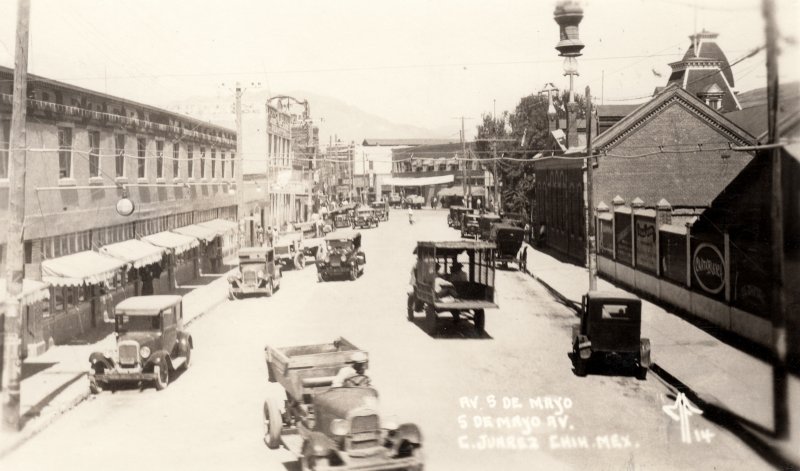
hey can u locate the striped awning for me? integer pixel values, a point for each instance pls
(179, 243)
(83, 267)
(221, 226)
(198, 232)
(135, 252)
(32, 292)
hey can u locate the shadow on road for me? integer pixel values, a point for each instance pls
(447, 328)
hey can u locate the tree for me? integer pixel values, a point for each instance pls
(530, 133)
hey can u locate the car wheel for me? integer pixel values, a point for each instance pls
(270, 288)
(162, 377)
(273, 423)
(95, 387)
(580, 363)
(354, 273)
(188, 357)
(431, 320)
(410, 308)
(480, 321)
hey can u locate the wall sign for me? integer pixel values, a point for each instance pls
(645, 243)
(708, 266)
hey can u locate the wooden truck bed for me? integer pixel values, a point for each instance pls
(305, 367)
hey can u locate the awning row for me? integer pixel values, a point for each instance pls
(419, 181)
(32, 291)
(97, 267)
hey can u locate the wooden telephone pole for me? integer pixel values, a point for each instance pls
(590, 227)
(12, 364)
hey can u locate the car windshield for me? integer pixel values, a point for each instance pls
(340, 244)
(126, 323)
(616, 311)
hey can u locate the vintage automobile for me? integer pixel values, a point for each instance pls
(339, 427)
(456, 216)
(289, 250)
(395, 201)
(257, 274)
(365, 217)
(469, 225)
(151, 343)
(381, 210)
(341, 218)
(343, 256)
(485, 222)
(514, 219)
(610, 325)
(414, 201)
(508, 239)
(469, 297)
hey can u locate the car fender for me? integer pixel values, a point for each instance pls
(99, 357)
(407, 433)
(159, 358)
(319, 445)
(584, 346)
(184, 341)
(644, 353)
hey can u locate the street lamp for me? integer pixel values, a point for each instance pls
(125, 206)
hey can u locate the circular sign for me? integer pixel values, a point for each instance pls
(125, 206)
(709, 268)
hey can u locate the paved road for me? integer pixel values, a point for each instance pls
(209, 417)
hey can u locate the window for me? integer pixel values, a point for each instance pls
(5, 145)
(233, 165)
(94, 153)
(202, 162)
(159, 159)
(190, 160)
(615, 311)
(213, 163)
(64, 152)
(371, 166)
(119, 163)
(176, 152)
(222, 164)
(141, 160)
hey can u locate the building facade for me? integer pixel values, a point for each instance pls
(86, 151)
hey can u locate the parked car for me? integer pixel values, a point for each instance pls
(151, 343)
(365, 217)
(610, 325)
(343, 256)
(469, 296)
(508, 239)
(456, 216)
(469, 225)
(258, 273)
(395, 201)
(414, 201)
(340, 427)
(289, 250)
(485, 222)
(381, 210)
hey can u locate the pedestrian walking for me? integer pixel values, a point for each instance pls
(523, 259)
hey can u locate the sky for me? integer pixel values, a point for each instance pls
(419, 62)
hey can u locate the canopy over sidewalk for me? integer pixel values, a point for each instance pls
(136, 252)
(171, 240)
(198, 232)
(419, 181)
(32, 291)
(79, 268)
(221, 226)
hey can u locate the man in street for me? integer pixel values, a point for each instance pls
(353, 376)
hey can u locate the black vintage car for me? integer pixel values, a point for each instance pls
(342, 256)
(508, 239)
(611, 325)
(381, 209)
(365, 217)
(485, 223)
(469, 225)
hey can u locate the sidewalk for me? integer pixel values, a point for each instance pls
(732, 387)
(55, 382)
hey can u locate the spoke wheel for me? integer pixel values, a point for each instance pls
(188, 357)
(480, 321)
(95, 387)
(354, 272)
(431, 320)
(162, 376)
(273, 423)
(411, 304)
(270, 288)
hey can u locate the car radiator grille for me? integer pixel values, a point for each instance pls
(128, 354)
(249, 277)
(364, 432)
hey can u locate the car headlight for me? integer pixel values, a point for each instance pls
(260, 273)
(344, 257)
(145, 352)
(340, 427)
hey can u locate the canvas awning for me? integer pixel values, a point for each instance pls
(32, 292)
(79, 268)
(135, 252)
(221, 226)
(452, 191)
(179, 243)
(419, 181)
(198, 232)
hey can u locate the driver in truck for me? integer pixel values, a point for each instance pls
(353, 376)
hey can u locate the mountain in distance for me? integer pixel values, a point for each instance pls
(333, 116)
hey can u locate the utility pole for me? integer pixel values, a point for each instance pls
(466, 173)
(591, 246)
(364, 177)
(240, 212)
(779, 374)
(494, 157)
(12, 364)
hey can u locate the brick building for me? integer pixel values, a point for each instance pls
(88, 149)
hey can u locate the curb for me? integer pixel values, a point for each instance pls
(38, 426)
